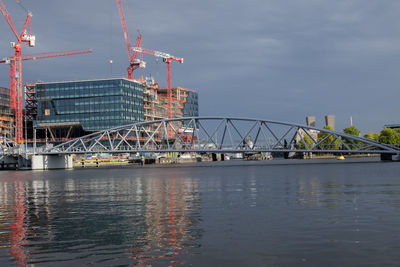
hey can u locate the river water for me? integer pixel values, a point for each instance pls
(276, 213)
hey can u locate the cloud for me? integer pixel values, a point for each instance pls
(278, 60)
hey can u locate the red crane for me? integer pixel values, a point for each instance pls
(48, 55)
(167, 58)
(16, 96)
(11, 61)
(134, 62)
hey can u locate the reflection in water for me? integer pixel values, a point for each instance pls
(208, 216)
(17, 236)
(152, 219)
(170, 205)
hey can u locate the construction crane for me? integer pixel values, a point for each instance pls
(134, 62)
(11, 61)
(167, 58)
(48, 55)
(16, 97)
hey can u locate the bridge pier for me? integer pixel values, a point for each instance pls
(8, 163)
(47, 162)
(390, 157)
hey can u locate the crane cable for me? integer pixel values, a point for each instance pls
(20, 4)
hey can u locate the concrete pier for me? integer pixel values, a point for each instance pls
(47, 162)
(390, 157)
(8, 163)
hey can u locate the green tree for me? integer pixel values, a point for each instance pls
(372, 136)
(307, 140)
(352, 130)
(329, 143)
(389, 136)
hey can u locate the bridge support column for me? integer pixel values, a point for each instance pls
(390, 157)
(8, 163)
(24, 163)
(46, 162)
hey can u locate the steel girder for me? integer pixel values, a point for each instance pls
(219, 135)
(7, 146)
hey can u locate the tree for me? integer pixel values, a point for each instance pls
(389, 136)
(372, 136)
(351, 131)
(329, 143)
(307, 140)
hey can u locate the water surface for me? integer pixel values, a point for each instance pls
(327, 213)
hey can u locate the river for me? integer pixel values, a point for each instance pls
(275, 213)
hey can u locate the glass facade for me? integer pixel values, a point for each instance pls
(95, 104)
(191, 106)
(4, 100)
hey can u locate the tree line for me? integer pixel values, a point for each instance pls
(327, 141)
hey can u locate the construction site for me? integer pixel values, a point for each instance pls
(54, 112)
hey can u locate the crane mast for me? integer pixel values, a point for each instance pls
(16, 97)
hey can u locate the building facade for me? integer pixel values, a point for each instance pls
(185, 102)
(310, 120)
(70, 109)
(191, 105)
(6, 118)
(330, 121)
(91, 105)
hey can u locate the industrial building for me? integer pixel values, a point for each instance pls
(6, 118)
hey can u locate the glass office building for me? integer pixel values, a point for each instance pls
(93, 104)
(191, 106)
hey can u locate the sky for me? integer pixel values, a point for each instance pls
(278, 60)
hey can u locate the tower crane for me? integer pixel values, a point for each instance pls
(134, 62)
(47, 55)
(12, 61)
(167, 58)
(23, 39)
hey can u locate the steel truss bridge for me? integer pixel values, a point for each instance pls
(210, 135)
(218, 135)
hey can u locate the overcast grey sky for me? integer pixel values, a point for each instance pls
(269, 59)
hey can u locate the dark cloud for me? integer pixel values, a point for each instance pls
(271, 59)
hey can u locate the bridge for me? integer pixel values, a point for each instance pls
(212, 135)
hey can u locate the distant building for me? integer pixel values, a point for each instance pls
(6, 118)
(330, 121)
(310, 120)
